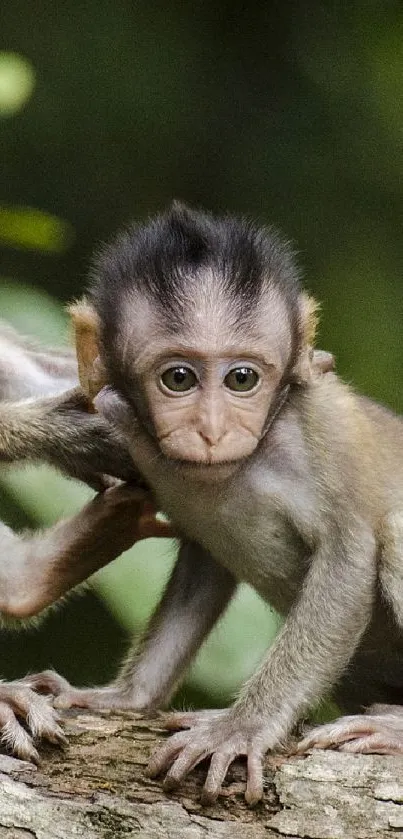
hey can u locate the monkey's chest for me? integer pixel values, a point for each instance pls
(258, 546)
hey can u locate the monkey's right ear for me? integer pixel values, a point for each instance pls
(91, 372)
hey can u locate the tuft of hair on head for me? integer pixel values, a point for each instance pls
(163, 257)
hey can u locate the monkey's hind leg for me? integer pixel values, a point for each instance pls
(380, 729)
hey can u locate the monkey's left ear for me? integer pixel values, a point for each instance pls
(91, 372)
(308, 322)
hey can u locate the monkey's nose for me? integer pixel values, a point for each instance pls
(211, 437)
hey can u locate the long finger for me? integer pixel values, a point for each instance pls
(163, 757)
(254, 783)
(218, 769)
(334, 733)
(149, 526)
(41, 718)
(46, 682)
(379, 743)
(185, 762)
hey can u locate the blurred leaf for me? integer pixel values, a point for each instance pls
(33, 312)
(26, 227)
(17, 82)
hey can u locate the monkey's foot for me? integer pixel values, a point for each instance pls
(67, 696)
(19, 702)
(369, 733)
(222, 734)
(94, 699)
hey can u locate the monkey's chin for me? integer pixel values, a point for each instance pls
(209, 472)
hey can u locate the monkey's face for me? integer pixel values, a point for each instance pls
(207, 391)
(209, 409)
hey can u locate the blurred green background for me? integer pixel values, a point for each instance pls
(288, 112)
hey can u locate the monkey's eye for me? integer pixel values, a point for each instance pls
(179, 379)
(241, 379)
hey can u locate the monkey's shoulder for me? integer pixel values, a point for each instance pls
(328, 396)
(381, 415)
(354, 446)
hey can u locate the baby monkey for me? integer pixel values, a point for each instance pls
(272, 473)
(44, 415)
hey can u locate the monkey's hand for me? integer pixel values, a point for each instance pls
(150, 526)
(223, 734)
(25, 718)
(115, 410)
(84, 445)
(378, 731)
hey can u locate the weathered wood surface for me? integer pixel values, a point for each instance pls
(96, 788)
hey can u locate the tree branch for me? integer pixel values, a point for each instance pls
(95, 788)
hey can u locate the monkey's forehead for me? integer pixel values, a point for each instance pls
(203, 324)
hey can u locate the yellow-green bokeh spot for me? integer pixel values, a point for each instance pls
(26, 227)
(17, 82)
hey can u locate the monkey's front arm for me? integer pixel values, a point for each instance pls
(320, 635)
(60, 431)
(197, 593)
(36, 570)
(27, 369)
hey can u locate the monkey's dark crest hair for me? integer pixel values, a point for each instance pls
(154, 258)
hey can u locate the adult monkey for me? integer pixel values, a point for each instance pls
(40, 420)
(272, 474)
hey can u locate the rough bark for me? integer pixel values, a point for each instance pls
(96, 788)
